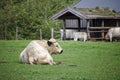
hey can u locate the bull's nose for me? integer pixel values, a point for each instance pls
(61, 51)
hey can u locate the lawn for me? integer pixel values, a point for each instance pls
(80, 61)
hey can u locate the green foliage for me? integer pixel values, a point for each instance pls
(80, 61)
(29, 16)
(97, 8)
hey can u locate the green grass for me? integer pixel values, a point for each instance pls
(80, 61)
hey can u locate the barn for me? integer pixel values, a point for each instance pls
(95, 21)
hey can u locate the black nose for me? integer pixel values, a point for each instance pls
(61, 51)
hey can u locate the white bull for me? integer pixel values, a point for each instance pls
(39, 52)
(80, 35)
(69, 33)
(113, 32)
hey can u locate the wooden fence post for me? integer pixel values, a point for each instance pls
(17, 33)
(40, 34)
(102, 33)
(52, 33)
(88, 25)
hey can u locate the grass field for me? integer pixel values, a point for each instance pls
(80, 61)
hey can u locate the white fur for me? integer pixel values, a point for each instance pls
(113, 32)
(38, 52)
(69, 33)
(80, 35)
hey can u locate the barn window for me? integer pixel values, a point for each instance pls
(71, 23)
(110, 22)
(96, 22)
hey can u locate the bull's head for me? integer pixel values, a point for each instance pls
(54, 47)
(107, 36)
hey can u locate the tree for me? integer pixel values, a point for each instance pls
(29, 16)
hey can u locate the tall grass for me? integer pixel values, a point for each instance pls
(80, 61)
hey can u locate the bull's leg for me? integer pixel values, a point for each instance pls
(75, 39)
(84, 39)
(32, 60)
(110, 38)
(46, 62)
(50, 60)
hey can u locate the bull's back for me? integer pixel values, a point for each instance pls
(80, 34)
(24, 54)
(115, 32)
(34, 49)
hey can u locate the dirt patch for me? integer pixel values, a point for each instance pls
(116, 54)
(72, 65)
(3, 62)
(58, 63)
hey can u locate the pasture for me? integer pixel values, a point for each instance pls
(80, 61)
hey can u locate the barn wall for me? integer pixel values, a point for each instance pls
(99, 27)
(98, 30)
(72, 23)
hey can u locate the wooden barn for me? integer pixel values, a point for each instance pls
(94, 21)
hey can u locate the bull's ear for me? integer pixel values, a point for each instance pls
(49, 43)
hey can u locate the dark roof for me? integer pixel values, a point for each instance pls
(68, 9)
(88, 13)
(113, 4)
(98, 12)
(92, 9)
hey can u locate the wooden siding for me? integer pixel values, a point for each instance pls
(71, 23)
(96, 26)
